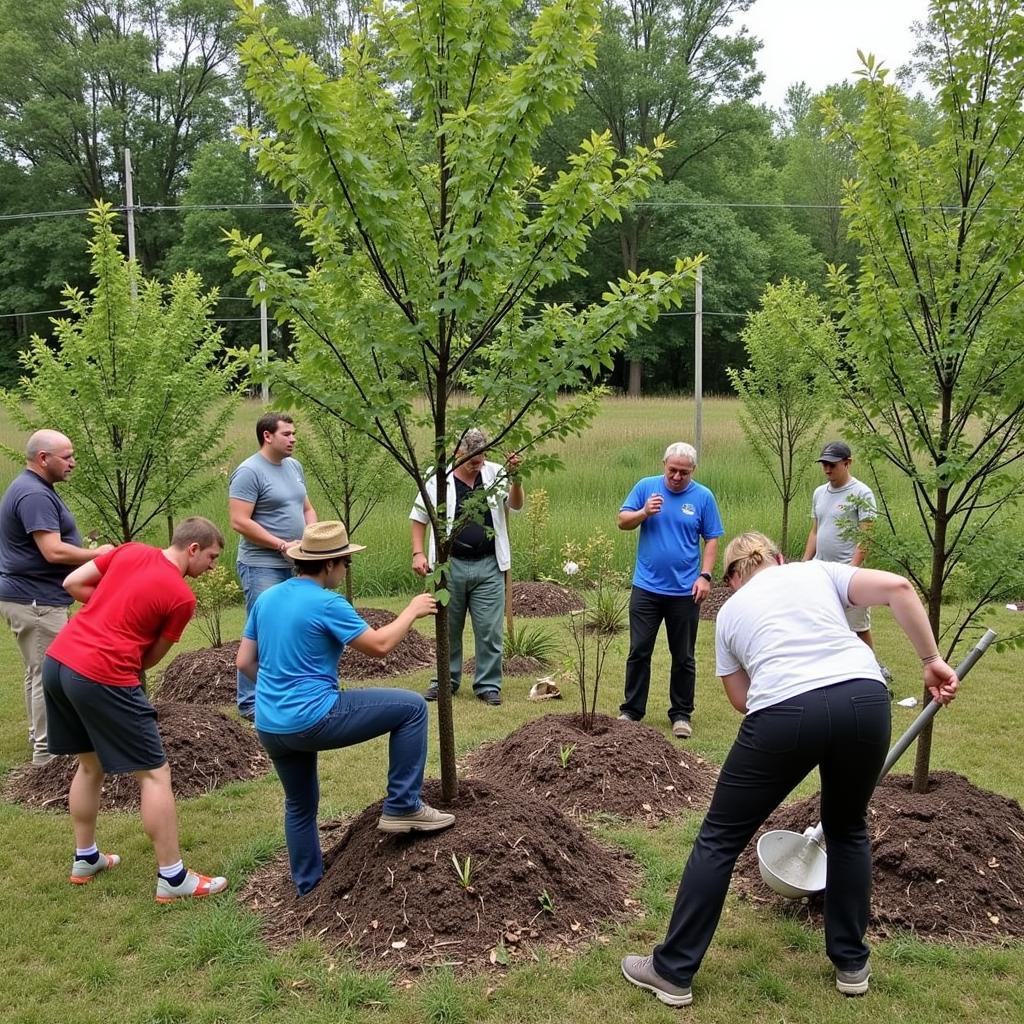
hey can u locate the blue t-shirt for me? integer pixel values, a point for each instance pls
(30, 505)
(300, 630)
(668, 555)
(278, 496)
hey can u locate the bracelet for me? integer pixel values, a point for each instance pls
(930, 659)
(415, 553)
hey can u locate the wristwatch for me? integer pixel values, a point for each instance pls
(704, 576)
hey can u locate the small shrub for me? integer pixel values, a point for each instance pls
(215, 590)
(531, 641)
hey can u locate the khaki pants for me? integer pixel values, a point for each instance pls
(35, 626)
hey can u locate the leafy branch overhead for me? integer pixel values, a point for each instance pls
(433, 233)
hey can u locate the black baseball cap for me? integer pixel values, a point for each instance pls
(835, 451)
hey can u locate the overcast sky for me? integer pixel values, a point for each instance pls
(816, 41)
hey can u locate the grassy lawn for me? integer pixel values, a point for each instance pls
(107, 953)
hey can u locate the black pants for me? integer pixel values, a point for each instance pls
(646, 613)
(842, 729)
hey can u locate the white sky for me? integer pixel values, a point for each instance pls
(816, 41)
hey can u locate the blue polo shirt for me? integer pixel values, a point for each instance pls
(300, 630)
(668, 555)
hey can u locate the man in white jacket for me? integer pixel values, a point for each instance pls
(479, 494)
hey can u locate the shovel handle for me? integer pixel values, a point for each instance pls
(933, 706)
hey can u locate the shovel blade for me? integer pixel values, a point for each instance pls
(791, 864)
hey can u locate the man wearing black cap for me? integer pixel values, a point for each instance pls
(841, 509)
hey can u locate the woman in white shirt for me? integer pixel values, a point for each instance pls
(813, 696)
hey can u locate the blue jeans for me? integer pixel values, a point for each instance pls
(843, 729)
(476, 586)
(254, 580)
(357, 715)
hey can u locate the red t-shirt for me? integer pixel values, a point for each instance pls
(140, 598)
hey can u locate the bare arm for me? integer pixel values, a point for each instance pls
(736, 686)
(420, 566)
(702, 587)
(81, 584)
(155, 652)
(308, 514)
(240, 514)
(59, 552)
(631, 520)
(860, 552)
(378, 642)
(811, 547)
(247, 661)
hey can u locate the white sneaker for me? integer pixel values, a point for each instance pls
(681, 729)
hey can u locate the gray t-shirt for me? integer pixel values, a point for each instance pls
(278, 495)
(838, 518)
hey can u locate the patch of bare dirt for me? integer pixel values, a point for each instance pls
(205, 749)
(537, 880)
(711, 605)
(413, 652)
(623, 768)
(536, 600)
(948, 864)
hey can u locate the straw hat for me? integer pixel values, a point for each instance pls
(328, 539)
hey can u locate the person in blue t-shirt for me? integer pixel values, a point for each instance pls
(291, 646)
(672, 576)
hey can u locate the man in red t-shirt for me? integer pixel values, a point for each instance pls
(137, 605)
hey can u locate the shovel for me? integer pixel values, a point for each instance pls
(793, 864)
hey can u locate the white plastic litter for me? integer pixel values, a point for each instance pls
(908, 702)
(1012, 608)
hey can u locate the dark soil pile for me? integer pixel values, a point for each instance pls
(413, 652)
(204, 747)
(399, 902)
(538, 600)
(709, 607)
(622, 768)
(206, 676)
(518, 665)
(948, 864)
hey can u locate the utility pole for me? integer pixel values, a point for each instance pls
(264, 350)
(129, 202)
(698, 361)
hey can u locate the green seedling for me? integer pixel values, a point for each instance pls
(547, 904)
(565, 751)
(464, 871)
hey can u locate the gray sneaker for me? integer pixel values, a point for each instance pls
(681, 729)
(82, 871)
(854, 983)
(426, 819)
(623, 717)
(640, 971)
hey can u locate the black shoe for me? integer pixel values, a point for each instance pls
(430, 694)
(492, 697)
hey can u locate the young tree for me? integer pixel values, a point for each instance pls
(137, 383)
(433, 233)
(784, 401)
(932, 370)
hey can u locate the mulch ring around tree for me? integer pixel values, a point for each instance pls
(712, 604)
(623, 768)
(208, 676)
(536, 880)
(948, 864)
(538, 600)
(205, 748)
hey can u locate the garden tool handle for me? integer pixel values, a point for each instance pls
(933, 706)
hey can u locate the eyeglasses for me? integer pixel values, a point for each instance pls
(63, 458)
(346, 560)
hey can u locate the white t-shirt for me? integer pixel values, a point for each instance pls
(786, 627)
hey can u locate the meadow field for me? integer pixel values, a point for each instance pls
(107, 953)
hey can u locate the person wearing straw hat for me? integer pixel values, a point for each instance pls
(291, 645)
(812, 696)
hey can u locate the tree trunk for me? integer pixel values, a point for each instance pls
(445, 712)
(636, 376)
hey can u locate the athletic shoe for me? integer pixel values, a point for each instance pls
(82, 871)
(854, 983)
(430, 694)
(426, 819)
(193, 887)
(640, 971)
(681, 729)
(492, 697)
(626, 718)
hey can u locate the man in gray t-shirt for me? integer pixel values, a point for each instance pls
(841, 510)
(269, 509)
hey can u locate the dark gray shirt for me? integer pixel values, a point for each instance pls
(29, 505)
(278, 496)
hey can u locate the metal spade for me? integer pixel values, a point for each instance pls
(793, 864)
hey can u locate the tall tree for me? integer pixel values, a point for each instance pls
(932, 371)
(433, 232)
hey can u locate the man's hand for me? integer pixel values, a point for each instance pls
(419, 564)
(423, 605)
(941, 681)
(652, 506)
(701, 589)
(513, 463)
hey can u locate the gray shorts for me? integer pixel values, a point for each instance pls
(859, 619)
(117, 723)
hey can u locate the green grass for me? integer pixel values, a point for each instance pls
(106, 952)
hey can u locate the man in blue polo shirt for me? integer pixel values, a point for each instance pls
(39, 546)
(672, 576)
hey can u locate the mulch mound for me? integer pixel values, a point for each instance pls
(398, 900)
(413, 652)
(537, 600)
(710, 606)
(204, 747)
(948, 864)
(623, 768)
(208, 676)
(517, 665)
